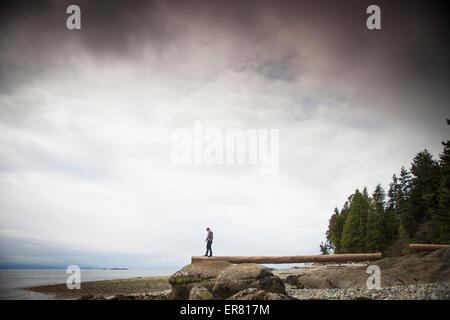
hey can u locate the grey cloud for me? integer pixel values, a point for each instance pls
(272, 69)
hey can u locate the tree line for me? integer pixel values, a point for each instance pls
(415, 209)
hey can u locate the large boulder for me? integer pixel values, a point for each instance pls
(203, 273)
(257, 294)
(199, 292)
(243, 276)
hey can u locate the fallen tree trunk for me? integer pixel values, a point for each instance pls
(292, 259)
(428, 247)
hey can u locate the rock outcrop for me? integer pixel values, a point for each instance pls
(425, 267)
(203, 273)
(243, 276)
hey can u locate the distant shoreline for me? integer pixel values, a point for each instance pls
(14, 283)
(105, 287)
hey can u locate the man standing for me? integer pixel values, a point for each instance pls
(209, 240)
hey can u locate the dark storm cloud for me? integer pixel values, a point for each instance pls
(409, 54)
(273, 39)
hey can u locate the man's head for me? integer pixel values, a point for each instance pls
(207, 229)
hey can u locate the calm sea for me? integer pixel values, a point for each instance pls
(12, 282)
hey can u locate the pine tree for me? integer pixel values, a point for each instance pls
(423, 197)
(363, 213)
(333, 234)
(394, 195)
(335, 228)
(401, 246)
(441, 217)
(325, 247)
(355, 226)
(405, 180)
(377, 232)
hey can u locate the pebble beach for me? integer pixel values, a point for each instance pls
(426, 291)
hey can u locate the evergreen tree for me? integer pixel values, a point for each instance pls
(423, 197)
(441, 217)
(401, 245)
(363, 213)
(397, 206)
(355, 226)
(335, 228)
(405, 186)
(325, 247)
(394, 195)
(377, 232)
(333, 234)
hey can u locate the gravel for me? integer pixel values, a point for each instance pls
(426, 291)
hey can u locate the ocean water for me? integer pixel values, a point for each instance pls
(13, 281)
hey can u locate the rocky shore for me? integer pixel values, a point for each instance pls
(426, 291)
(422, 276)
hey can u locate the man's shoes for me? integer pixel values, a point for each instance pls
(205, 255)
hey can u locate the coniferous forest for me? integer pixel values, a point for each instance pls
(414, 209)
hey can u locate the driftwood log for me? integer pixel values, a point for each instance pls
(428, 247)
(292, 259)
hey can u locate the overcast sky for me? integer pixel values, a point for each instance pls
(86, 118)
